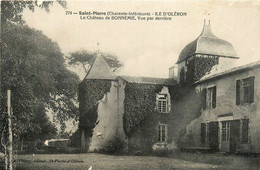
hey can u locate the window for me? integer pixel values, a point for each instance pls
(245, 91)
(162, 133)
(209, 97)
(162, 103)
(225, 130)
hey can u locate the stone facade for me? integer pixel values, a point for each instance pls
(235, 116)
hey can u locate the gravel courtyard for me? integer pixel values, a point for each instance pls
(102, 161)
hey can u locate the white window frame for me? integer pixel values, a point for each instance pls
(225, 131)
(209, 97)
(162, 133)
(162, 103)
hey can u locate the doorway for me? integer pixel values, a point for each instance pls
(230, 135)
(225, 135)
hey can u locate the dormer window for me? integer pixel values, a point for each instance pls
(162, 103)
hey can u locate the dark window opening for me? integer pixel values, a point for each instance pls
(245, 91)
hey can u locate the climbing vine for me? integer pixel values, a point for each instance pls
(140, 102)
(198, 67)
(90, 92)
(204, 65)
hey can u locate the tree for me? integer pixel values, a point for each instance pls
(33, 68)
(11, 10)
(86, 59)
(42, 129)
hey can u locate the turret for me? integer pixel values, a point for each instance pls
(199, 56)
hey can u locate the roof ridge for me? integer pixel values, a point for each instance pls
(148, 80)
(144, 77)
(231, 70)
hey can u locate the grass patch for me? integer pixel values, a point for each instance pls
(101, 161)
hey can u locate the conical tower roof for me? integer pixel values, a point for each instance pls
(208, 43)
(100, 70)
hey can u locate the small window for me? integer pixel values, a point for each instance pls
(162, 133)
(209, 96)
(225, 130)
(162, 103)
(245, 91)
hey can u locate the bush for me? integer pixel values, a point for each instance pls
(113, 147)
(75, 139)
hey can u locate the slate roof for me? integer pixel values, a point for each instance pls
(100, 70)
(228, 72)
(149, 80)
(207, 43)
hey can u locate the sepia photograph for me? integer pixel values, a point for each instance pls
(137, 84)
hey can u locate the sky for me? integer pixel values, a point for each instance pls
(149, 48)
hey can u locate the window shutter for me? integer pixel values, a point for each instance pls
(245, 123)
(166, 133)
(203, 133)
(214, 97)
(251, 90)
(204, 97)
(213, 135)
(159, 133)
(157, 104)
(238, 92)
(234, 135)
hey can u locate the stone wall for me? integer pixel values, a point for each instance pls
(101, 114)
(109, 126)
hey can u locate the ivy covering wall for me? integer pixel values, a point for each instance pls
(141, 118)
(90, 92)
(139, 104)
(204, 65)
(191, 71)
(199, 66)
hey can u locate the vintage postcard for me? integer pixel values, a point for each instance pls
(130, 84)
